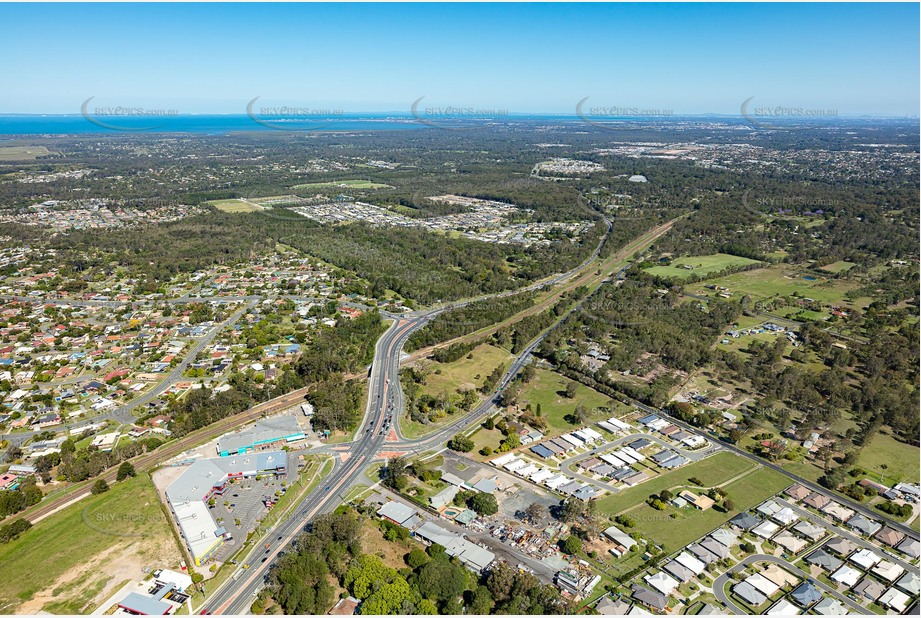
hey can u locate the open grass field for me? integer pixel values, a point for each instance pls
(690, 524)
(465, 372)
(22, 153)
(738, 344)
(548, 389)
(485, 437)
(234, 206)
(900, 459)
(701, 265)
(838, 267)
(712, 471)
(776, 281)
(72, 560)
(343, 184)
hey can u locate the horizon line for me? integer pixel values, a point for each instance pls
(406, 114)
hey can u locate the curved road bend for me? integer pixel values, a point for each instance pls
(46, 507)
(236, 595)
(719, 583)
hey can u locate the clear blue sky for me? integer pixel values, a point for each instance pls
(689, 58)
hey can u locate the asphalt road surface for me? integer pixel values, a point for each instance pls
(236, 595)
(720, 582)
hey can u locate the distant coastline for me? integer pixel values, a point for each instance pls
(13, 124)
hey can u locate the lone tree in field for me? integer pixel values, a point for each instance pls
(570, 390)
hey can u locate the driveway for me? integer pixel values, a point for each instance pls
(850, 536)
(720, 583)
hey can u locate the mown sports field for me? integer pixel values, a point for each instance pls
(234, 206)
(22, 153)
(343, 184)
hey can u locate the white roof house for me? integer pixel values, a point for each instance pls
(541, 475)
(691, 563)
(693, 441)
(766, 529)
(785, 516)
(504, 459)
(619, 423)
(846, 575)
(575, 441)
(768, 508)
(632, 453)
(888, 570)
(762, 584)
(865, 558)
(528, 470)
(783, 607)
(613, 460)
(895, 599)
(608, 426)
(662, 581)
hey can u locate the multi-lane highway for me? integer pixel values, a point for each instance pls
(236, 595)
(385, 404)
